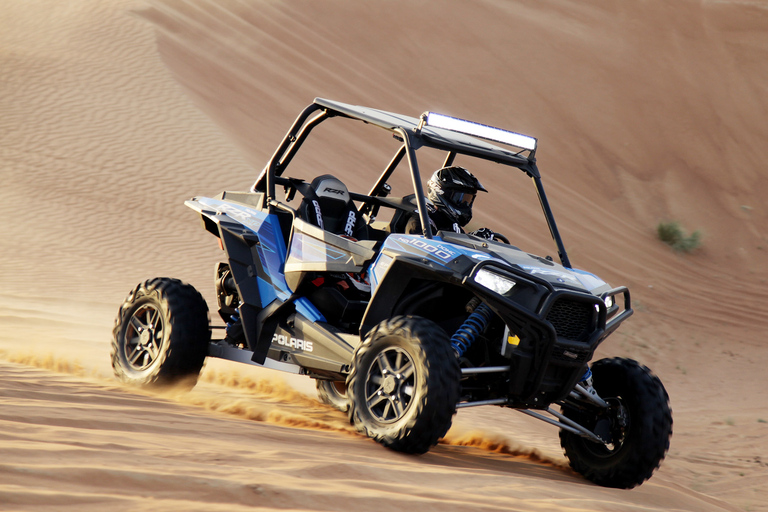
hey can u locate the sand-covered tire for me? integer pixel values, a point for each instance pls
(161, 335)
(638, 424)
(404, 384)
(333, 393)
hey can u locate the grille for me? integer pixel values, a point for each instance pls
(571, 319)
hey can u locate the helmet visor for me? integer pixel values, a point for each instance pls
(463, 198)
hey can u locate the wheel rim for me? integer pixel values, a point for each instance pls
(390, 385)
(143, 337)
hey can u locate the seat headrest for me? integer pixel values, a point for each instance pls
(329, 187)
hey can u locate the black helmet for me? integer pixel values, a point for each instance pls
(453, 190)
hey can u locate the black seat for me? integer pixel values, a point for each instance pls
(328, 206)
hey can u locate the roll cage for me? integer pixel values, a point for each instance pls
(461, 137)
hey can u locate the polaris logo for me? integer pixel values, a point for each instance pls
(333, 191)
(298, 344)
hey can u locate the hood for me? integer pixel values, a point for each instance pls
(450, 246)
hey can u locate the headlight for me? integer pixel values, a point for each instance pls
(494, 281)
(609, 302)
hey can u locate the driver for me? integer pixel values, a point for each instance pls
(452, 191)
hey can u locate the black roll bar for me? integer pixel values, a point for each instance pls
(378, 188)
(303, 125)
(564, 260)
(292, 141)
(416, 177)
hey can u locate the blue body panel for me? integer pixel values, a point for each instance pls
(271, 251)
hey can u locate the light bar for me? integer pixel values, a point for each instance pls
(480, 130)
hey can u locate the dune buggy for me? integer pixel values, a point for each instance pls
(400, 330)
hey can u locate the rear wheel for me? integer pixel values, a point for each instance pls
(333, 393)
(637, 426)
(404, 384)
(161, 334)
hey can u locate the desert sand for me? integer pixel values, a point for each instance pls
(114, 113)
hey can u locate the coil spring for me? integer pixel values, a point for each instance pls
(475, 324)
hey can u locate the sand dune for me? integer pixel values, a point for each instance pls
(77, 443)
(113, 113)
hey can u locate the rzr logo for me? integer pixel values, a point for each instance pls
(333, 191)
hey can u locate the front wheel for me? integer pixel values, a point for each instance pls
(637, 426)
(404, 384)
(161, 334)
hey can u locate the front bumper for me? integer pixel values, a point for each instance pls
(559, 330)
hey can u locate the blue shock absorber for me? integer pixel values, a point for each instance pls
(474, 324)
(233, 319)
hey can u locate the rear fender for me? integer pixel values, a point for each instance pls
(255, 248)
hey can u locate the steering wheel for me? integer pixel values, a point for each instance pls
(501, 238)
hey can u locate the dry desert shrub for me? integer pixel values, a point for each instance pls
(672, 234)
